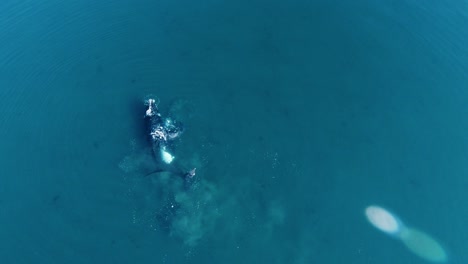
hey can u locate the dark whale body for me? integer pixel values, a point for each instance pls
(163, 132)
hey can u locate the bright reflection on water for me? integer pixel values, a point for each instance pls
(416, 241)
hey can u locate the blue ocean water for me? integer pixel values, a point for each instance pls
(298, 115)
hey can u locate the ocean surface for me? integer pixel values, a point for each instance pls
(298, 115)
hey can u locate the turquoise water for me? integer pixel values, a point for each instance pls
(298, 115)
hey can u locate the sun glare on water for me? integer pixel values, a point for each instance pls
(418, 242)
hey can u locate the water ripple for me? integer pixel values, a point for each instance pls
(49, 47)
